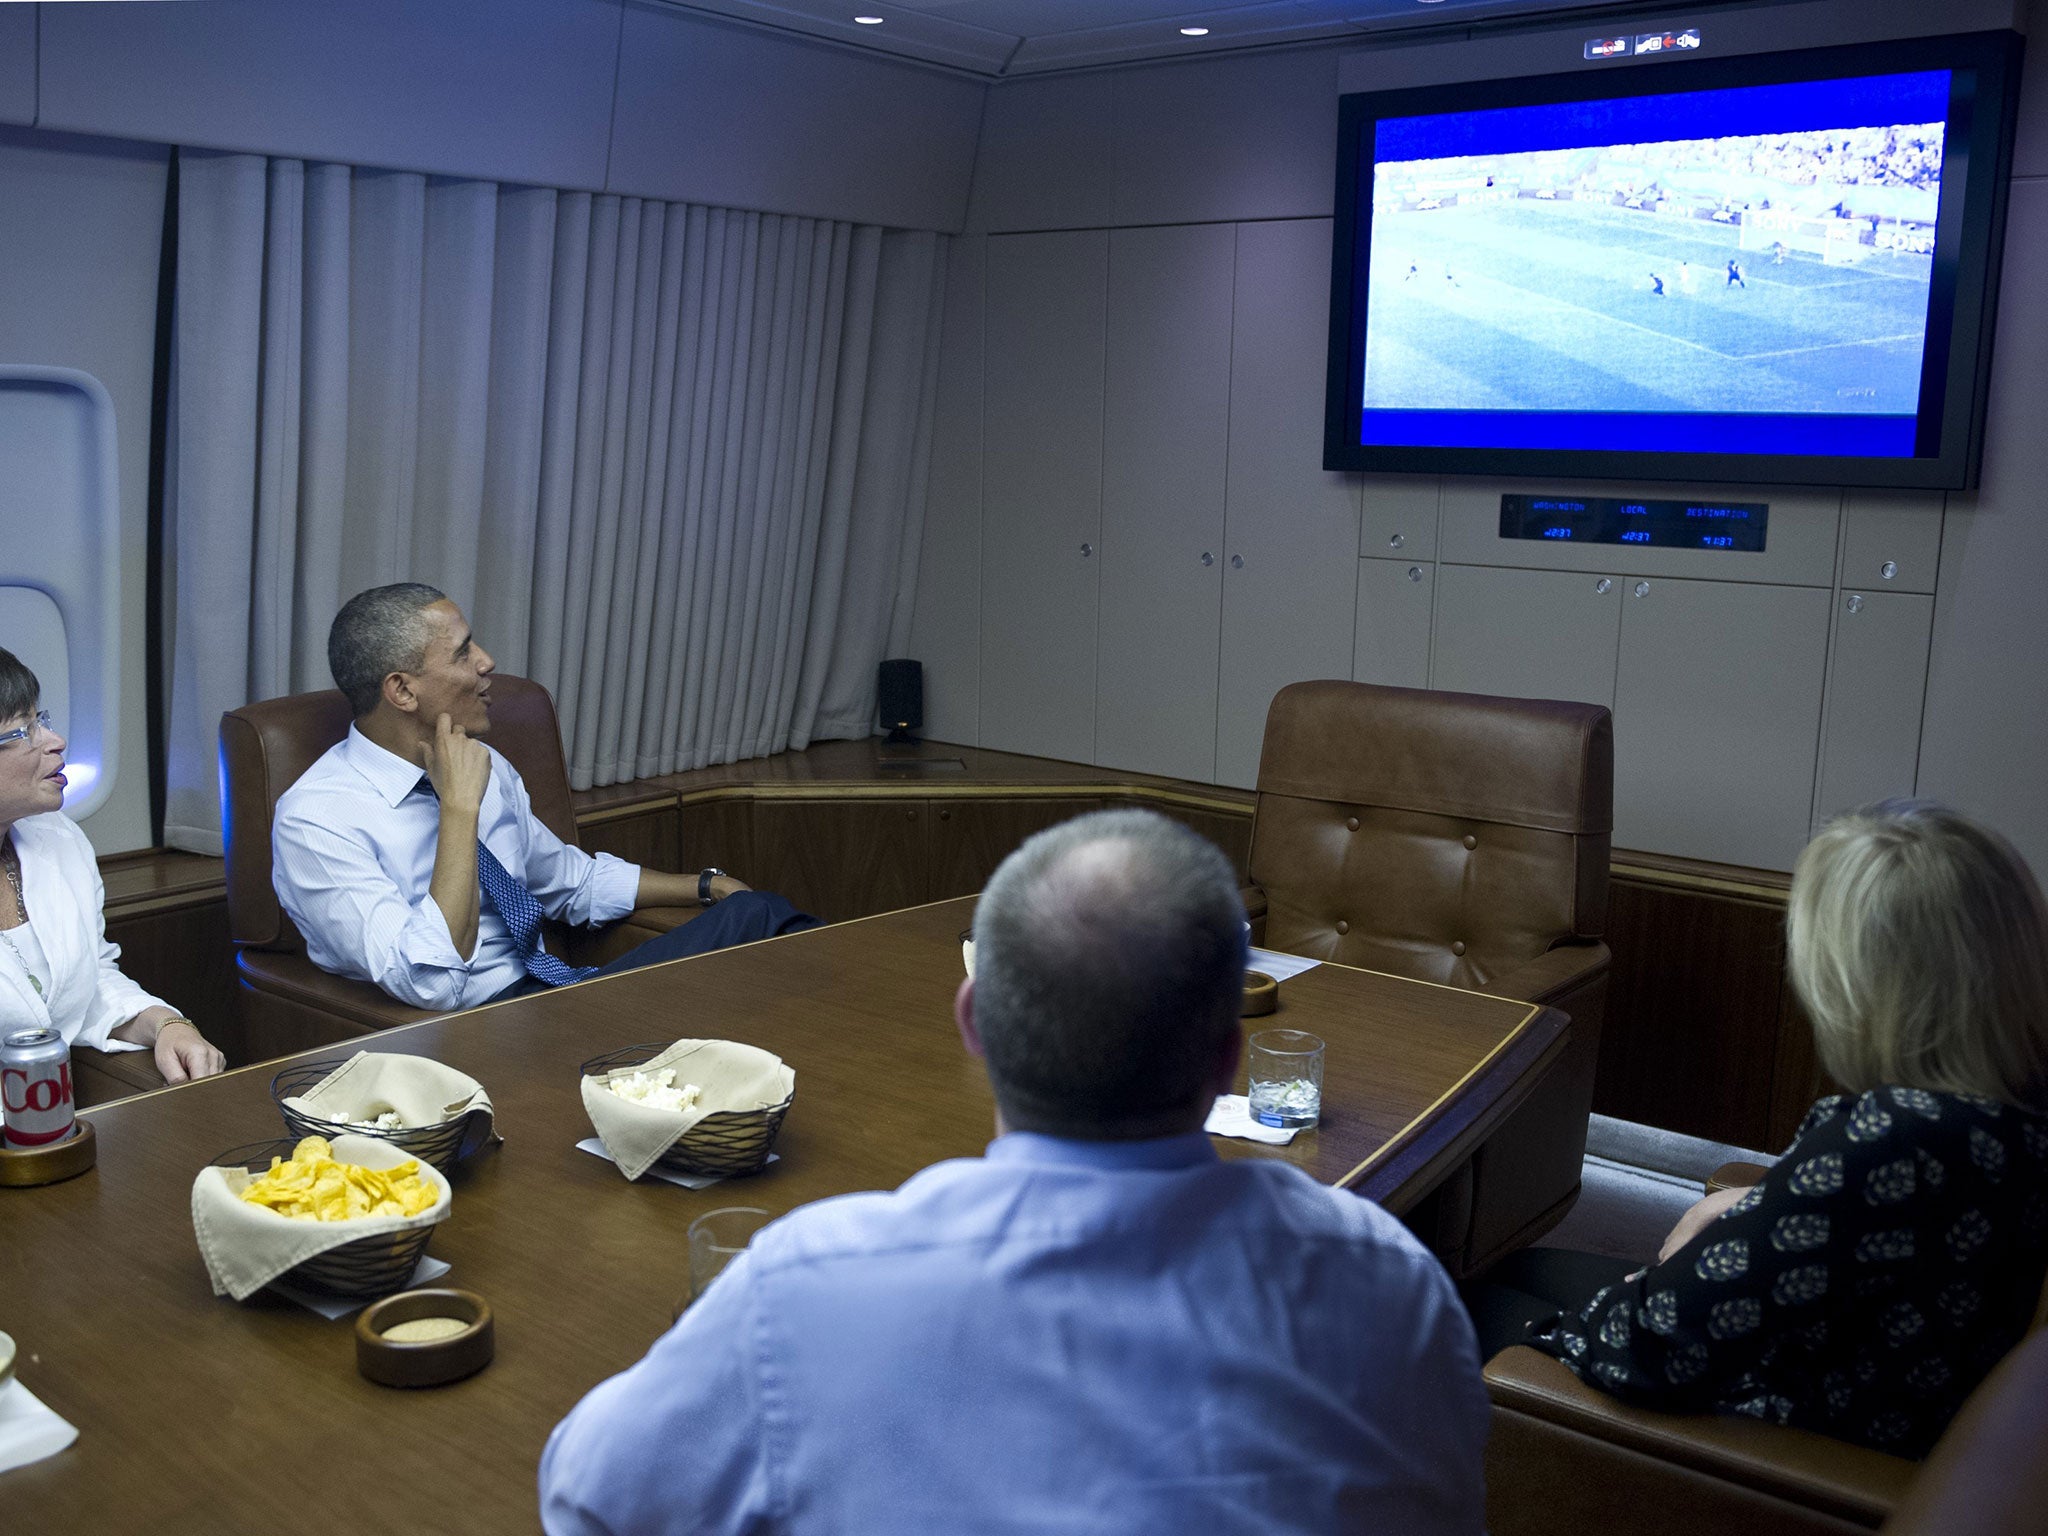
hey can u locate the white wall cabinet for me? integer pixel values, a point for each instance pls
(1395, 600)
(1877, 690)
(1717, 718)
(1527, 634)
(1042, 493)
(1166, 416)
(1288, 588)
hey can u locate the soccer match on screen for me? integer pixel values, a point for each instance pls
(1752, 272)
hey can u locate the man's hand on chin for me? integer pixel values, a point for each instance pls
(458, 765)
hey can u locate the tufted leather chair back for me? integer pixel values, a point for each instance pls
(265, 747)
(1448, 837)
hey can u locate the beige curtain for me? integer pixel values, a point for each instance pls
(670, 458)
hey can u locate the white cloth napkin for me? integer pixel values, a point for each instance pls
(247, 1246)
(422, 1091)
(1231, 1115)
(731, 1076)
(28, 1430)
(595, 1148)
(1277, 965)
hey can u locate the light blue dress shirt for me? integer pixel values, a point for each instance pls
(1061, 1336)
(352, 857)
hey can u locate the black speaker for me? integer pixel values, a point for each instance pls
(899, 697)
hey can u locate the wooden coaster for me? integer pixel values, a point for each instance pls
(1261, 994)
(24, 1167)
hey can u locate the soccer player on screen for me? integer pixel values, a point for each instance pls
(1735, 277)
(1657, 285)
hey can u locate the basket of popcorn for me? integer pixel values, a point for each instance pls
(349, 1217)
(706, 1107)
(421, 1106)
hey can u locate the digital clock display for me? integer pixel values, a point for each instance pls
(1736, 525)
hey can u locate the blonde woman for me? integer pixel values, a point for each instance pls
(1896, 1251)
(56, 967)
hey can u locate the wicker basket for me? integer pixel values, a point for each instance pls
(367, 1267)
(725, 1144)
(443, 1145)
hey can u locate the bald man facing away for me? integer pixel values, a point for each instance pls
(1098, 1326)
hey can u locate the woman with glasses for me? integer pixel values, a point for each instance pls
(56, 966)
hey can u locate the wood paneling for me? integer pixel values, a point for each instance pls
(1232, 833)
(717, 834)
(969, 838)
(841, 859)
(646, 836)
(1796, 1078)
(1694, 1013)
(183, 955)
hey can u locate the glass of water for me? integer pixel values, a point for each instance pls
(716, 1239)
(1285, 1067)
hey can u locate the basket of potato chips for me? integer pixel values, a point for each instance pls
(709, 1107)
(349, 1217)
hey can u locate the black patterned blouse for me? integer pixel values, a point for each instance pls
(1861, 1290)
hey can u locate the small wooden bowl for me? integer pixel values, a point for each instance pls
(1261, 995)
(429, 1362)
(23, 1167)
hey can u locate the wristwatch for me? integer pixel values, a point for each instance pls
(704, 879)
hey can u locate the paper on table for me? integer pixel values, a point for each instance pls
(28, 1430)
(1231, 1115)
(1277, 965)
(331, 1307)
(596, 1148)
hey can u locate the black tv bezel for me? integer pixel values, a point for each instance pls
(1969, 240)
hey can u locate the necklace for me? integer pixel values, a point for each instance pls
(10, 862)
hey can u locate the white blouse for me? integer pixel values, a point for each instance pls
(29, 950)
(85, 997)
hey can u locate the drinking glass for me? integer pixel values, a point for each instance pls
(1285, 1068)
(716, 1239)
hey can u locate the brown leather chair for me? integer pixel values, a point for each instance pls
(1989, 1474)
(1564, 1458)
(290, 1004)
(1461, 840)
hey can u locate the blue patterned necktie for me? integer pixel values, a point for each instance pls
(522, 915)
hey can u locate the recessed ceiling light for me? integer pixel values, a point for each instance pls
(868, 21)
(1194, 31)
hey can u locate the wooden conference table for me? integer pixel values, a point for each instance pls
(203, 1416)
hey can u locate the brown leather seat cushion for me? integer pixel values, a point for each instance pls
(1566, 1458)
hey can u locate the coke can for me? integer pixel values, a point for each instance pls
(35, 1087)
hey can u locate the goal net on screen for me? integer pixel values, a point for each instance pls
(1837, 242)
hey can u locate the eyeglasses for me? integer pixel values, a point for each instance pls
(42, 725)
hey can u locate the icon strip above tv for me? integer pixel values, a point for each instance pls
(1735, 525)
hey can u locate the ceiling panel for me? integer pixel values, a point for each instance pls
(1001, 38)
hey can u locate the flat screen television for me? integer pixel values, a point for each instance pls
(1758, 268)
